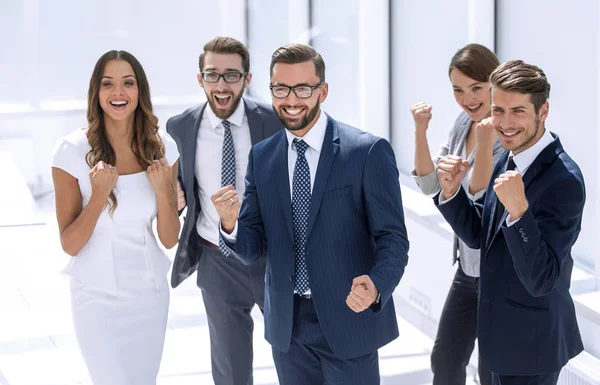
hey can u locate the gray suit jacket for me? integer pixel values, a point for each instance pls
(184, 129)
(429, 184)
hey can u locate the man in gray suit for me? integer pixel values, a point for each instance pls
(214, 143)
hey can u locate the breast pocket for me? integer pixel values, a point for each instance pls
(336, 193)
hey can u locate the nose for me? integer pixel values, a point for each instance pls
(118, 90)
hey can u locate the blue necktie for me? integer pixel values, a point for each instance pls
(227, 172)
(300, 206)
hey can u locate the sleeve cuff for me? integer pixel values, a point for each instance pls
(229, 237)
(442, 200)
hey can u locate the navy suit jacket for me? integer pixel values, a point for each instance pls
(527, 322)
(355, 227)
(184, 129)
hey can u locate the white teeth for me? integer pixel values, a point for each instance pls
(293, 112)
(473, 108)
(118, 103)
(510, 134)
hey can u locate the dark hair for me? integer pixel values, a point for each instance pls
(298, 53)
(226, 45)
(475, 61)
(518, 76)
(146, 143)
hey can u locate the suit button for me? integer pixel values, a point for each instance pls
(291, 278)
(522, 235)
(525, 239)
(521, 230)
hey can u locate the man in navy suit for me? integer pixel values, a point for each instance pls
(214, 140)
(323, 202)
(525, 225)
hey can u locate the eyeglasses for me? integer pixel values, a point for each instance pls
(229, 77)
(302, 92)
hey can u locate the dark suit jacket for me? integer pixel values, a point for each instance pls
(355, 227)
(184, 129)
(527, 321)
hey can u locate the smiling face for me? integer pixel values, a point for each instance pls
(118, 92)
(517, 124)
(298, 115)
(472, 96)
(224, 97)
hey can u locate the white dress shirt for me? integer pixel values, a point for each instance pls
(522, 162)
(209, 156)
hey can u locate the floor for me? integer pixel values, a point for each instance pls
(38, 347)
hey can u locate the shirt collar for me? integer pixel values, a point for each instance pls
(524, 159)
(236, 119)
(314, 137)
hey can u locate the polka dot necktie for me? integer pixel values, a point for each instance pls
(300, 205)
(227, 172)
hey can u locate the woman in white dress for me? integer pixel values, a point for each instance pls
(111, 180)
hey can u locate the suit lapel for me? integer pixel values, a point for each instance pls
(191, 142)
(282, 180)
(254, 121)
(540, 163)
(328, 152)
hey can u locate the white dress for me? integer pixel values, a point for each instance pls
(119, 289)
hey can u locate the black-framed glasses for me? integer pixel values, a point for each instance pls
(229, 77)
(301, 92)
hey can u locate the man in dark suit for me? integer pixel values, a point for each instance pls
(323, 202)
(525, 225)
(214, 140)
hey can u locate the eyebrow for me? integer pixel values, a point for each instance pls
(296, 85)
(511, 108)
(125, 76)
(226, 69)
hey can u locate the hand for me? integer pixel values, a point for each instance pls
(161, 178)
(422, 115)
(103, 178)
(485, 133)
(362, 294)
(181, 203)
(450, 171)
(510, 190)
(227, 203)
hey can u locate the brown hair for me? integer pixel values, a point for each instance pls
(518, 76)
(145, 143)
(299, 53)
(476, 61)
(226, 45)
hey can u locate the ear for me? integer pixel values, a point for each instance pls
(324, 92)
(200, 80)
(544, 109)
(248, 80)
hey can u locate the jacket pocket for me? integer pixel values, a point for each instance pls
(337, 193)
(523, 306)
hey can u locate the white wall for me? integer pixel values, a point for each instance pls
(563, 41)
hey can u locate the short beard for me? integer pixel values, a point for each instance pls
(225, 114)
(297, 125)
(530, 141)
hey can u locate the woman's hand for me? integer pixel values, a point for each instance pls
(103, 178)
(422, 115)
(159, 173)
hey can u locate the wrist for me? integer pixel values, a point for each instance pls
(227, 226)
(421, 133)
(447, 194)
(519, 212)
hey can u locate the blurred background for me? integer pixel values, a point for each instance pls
(382, 56)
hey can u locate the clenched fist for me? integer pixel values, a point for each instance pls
(422, 115)
(227, 203)
(161, 178)
(181, 203)
(103, 178)
(510, 190)
(485, 133)
(362, 294)
(450, 171)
